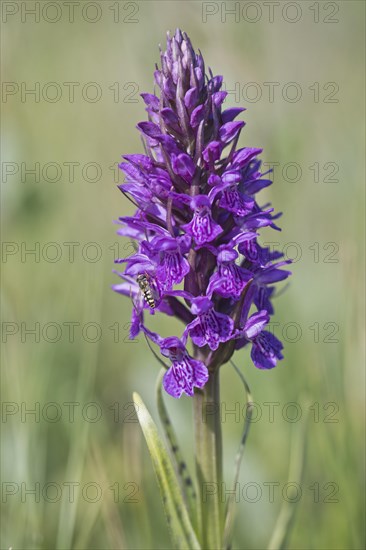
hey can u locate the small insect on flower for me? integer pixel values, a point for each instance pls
(146, 289)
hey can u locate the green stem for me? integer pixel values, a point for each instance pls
(208, 450)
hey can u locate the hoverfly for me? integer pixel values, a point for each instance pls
(143, 280)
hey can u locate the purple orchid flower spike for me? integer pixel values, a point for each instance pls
(197, 225)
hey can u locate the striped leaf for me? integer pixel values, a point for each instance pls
(180, 465)
(181, 530)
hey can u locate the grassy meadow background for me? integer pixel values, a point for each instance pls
(82, 450)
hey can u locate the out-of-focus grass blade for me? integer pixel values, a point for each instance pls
(79, 434)
(181, 530)
(284, 523)
(230, 510)
(109, 509)
(184, 477)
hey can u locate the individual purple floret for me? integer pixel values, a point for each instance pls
(185, 373)
(197, 226)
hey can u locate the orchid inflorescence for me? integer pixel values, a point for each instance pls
(196, 225)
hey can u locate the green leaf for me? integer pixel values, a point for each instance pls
(180, 465)
(181, 530)
(231, 505)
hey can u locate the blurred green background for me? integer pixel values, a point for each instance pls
(82, 450)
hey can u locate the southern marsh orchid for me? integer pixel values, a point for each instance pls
(197, 258)
(197, 217)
